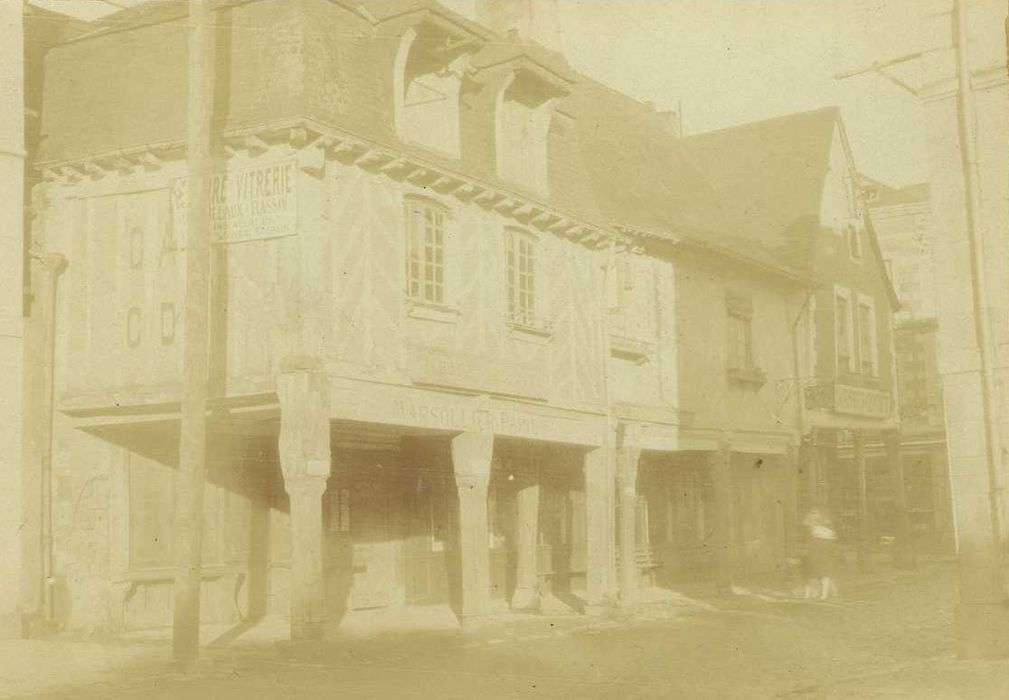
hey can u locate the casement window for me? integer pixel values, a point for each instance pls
(425, 251)
(740, 342)
(740, 332)
(844, 337)
(867, 343)
(522, 282)
(854, 242)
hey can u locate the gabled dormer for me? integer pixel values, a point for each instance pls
(520, 86)
(432, 60)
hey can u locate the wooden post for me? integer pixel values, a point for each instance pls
(858, 453)
(904, 551)
(305, 459)
(721, 476)
(195, 367)
(471, 463)
(627, 477)
(526, 596)
(600, 557)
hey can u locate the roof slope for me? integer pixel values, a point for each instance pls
(768, 178)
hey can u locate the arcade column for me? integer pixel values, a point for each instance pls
(302, 388)
(600, 546)
(471, 462)
(526, 596)
(627, 476)
(720, 462)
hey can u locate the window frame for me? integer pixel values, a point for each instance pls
(853, 241)
(423, 285)
(522, 293)
(850, 367)
(870, 348)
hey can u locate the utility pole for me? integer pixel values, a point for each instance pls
(980, 559)
(12, 164)
(195, 369)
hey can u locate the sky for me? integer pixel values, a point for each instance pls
(726, 62)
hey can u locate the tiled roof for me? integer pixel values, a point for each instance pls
(753, 190)
(768, 178)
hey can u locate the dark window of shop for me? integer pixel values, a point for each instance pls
(425, 251)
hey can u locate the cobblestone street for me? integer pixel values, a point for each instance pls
(888, 635)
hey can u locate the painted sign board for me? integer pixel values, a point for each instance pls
(442, 367)
(849, 400)
(246, 204)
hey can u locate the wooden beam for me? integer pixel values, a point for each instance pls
(373, 160)
(298, 136)
(446, 184)
(348, 151)
(92, 168)
(421, 176)
(255, 145)
(487, 198)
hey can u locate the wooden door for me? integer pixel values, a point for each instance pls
(376, 545)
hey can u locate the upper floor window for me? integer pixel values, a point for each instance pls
(843, 331)
(854, 242)
(867, 343)
(741, 363)
(740, 340)
(522, 282)
(425, 251)
(428, 74)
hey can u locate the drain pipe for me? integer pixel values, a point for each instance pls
(53, 264)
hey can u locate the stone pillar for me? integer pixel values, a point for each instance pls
(305, 460)
(471, 463)
(721, 478)
(308, 600)
(600, 560)
(903, 553)
(526, 596)
(858, 454)
(627, 477)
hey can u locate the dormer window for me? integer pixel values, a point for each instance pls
(429, 67)
(525, 107)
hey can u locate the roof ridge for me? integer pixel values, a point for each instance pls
(835, 110)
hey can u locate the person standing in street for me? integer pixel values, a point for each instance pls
(820, 556)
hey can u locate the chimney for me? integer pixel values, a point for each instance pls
(537, 21)
(673, 121)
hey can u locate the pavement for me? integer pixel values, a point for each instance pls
(888, 634)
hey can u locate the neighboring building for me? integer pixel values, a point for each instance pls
(488, 316)
(789, 185)
(965, 93)
(901, 219)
